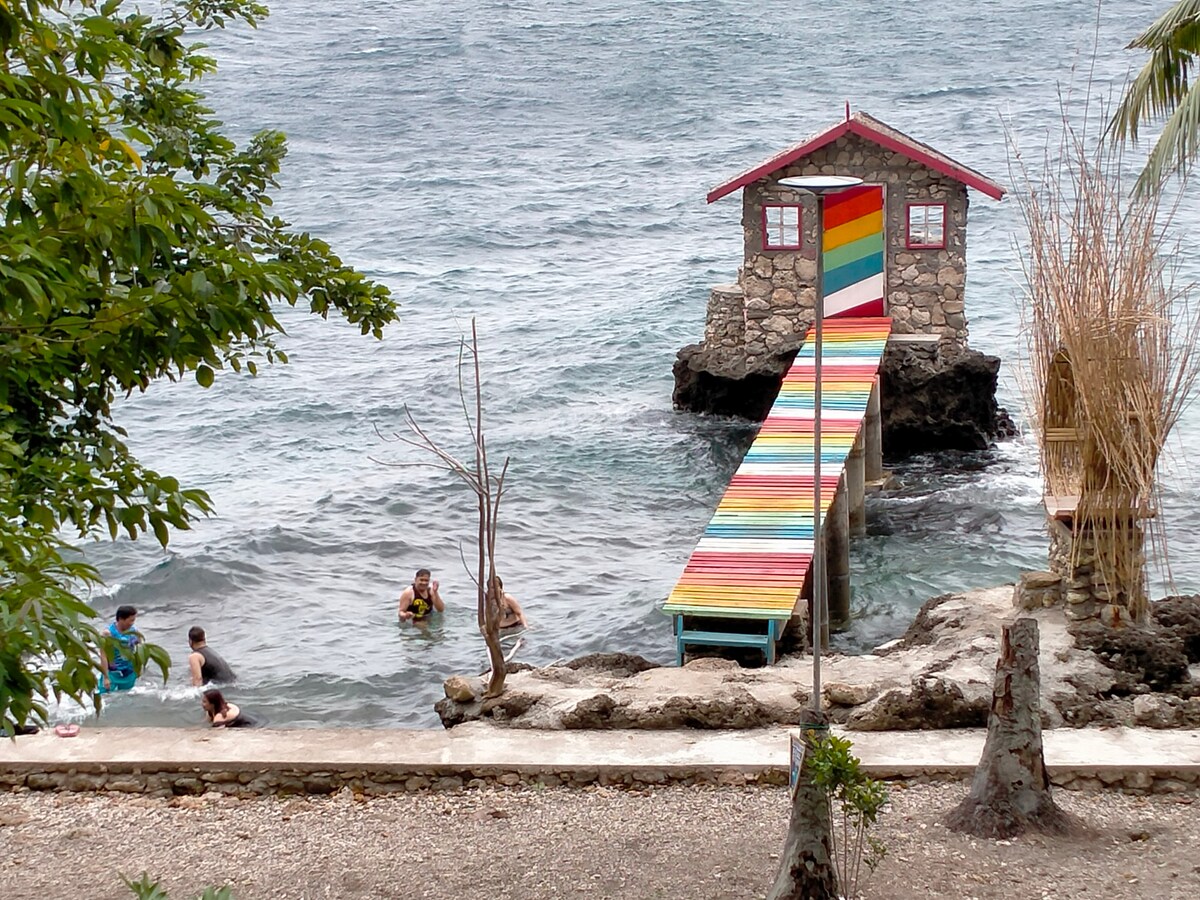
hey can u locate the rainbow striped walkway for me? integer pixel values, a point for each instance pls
(753, 558)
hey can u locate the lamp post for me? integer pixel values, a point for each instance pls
(818, 186)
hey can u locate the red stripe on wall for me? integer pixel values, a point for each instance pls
(866, 199)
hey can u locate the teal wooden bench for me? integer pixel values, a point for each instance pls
(764, 642)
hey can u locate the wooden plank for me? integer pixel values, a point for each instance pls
(1061, 435)
(1065, 506)
(754, 556)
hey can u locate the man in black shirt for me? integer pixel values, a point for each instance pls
(206, 664)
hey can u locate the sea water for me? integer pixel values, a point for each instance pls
(541, 167)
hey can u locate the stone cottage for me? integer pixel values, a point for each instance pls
(895, 246)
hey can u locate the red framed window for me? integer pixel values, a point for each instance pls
(926, 226)
(781, 226)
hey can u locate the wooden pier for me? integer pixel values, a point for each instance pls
(750, 571)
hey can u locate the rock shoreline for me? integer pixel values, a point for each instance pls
(938, 675)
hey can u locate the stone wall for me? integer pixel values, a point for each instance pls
(212, 784)
(367, 782)
(725, 321)
(925, 287)
(1084, 590)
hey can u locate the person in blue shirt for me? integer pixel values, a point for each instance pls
(117, 673)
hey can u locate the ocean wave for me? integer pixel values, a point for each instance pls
(543, 168)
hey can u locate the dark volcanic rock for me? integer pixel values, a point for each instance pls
(928, 402)
(705, 386)
(619, 665)
(727, 712)
(1181, 616)
(452, 713)
(931, 703)
(508, 705)
(943, 404)
(1149, 657)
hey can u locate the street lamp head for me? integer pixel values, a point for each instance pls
(820, 184)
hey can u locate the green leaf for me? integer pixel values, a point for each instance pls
(137, 243)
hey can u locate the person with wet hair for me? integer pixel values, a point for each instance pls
(511, 614)
(207, 666)
(223, 714)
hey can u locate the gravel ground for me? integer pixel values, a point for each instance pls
(676, 842)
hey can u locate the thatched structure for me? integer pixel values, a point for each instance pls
(1112, 355)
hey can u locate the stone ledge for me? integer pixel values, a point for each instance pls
(167, 762)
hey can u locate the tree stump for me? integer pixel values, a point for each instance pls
(1011, 790)
(806, 869)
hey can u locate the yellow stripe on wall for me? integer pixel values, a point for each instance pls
(872, 223)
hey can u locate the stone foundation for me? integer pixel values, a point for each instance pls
(1086, 593)
(1038, 590)
(201, 784)
(725, 322)
(284, 782)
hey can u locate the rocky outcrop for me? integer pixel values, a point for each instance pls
(625, 691)
(938, 402)
(1181, 616)
(706, 382)
(929, 702)
(937, 675)
(929, 401)
(1142, 659)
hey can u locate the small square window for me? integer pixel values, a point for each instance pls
(926, 226)
(781, 226)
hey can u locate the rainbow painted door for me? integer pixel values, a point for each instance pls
(854, 254)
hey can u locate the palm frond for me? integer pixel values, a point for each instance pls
(1176, 147)
(1158, 89)
(1164, 88)
(1168, 27)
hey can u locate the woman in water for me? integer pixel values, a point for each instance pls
(222, 713)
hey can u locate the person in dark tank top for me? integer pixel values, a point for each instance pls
(206, 664)
(421, 599)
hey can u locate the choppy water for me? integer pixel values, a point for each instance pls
(542, 166)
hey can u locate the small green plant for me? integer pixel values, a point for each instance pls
(857, 800)
(145, 889)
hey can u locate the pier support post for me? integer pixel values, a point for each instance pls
(837, 556)
(856, 487)
(873, 437)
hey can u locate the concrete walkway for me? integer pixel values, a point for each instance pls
(476, 747)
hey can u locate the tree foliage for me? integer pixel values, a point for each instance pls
(137, 244)
(1165, 86)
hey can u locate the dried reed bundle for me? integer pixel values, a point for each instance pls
(1112, 347)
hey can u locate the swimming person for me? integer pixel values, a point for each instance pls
(511, 614)
(222, 713)
(206, 664)
(420, 599)
(117, 674)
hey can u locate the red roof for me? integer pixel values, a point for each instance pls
(871, 129)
